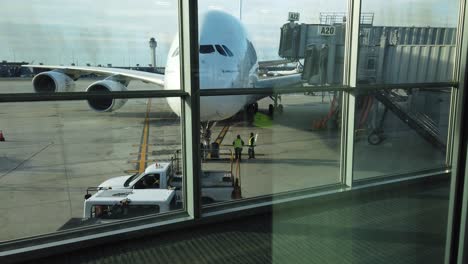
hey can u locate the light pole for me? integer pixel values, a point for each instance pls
(240, 10)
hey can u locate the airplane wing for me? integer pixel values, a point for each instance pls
(155, 78)
(123, 74)
(280, 81)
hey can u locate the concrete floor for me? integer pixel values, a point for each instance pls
(55, 150)
(392, 223)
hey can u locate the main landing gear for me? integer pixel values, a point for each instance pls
(275, 107)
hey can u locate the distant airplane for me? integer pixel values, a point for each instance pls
(227, 60)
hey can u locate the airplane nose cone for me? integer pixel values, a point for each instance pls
(213, 108)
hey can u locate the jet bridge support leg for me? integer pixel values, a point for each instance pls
(377, 134)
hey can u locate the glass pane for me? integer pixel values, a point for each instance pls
(269, 47)
(407, 42)
(103, 38)
(55, 151)
(264, 39)
(399, 131)
(298, 147)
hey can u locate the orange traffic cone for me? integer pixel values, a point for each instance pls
(2, 138)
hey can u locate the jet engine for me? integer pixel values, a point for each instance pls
(52, 82)
(106, 104)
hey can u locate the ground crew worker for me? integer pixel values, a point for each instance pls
(252, 146)
(238, 144)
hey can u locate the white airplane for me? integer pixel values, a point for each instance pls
(227, 60)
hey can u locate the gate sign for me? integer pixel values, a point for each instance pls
(293, 16)
(326, 30)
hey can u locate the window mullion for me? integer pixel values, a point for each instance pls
(457, 214)
(188, 28)
(350, 79)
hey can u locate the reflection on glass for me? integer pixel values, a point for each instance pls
(407, 42)
(400, 131)
(255, 153)
(63, 165)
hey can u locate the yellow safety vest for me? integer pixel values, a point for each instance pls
(251, 141)
(238, 143)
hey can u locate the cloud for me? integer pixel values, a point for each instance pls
(118, 30)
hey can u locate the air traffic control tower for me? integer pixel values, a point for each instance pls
(153, 44)
(387, 54)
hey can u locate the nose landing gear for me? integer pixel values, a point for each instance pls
(250, 111)
(275, 107)
(205, 138)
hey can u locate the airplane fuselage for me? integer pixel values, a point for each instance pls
(227, 59)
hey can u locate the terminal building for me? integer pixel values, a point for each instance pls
(354, 150)
(13, 69)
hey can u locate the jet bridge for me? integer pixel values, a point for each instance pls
(387, 54)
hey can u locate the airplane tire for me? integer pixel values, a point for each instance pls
(251, 109)
(374, 138)
(204, 152)
(215, 150)
(207, 200)
(271, 110)
(280, 108)
(250, 113)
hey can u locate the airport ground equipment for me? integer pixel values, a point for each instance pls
(115, 204)
(214, 152)
(419, 122)
(331, 119)
(11, 69)
(157, 190)
(217, 186)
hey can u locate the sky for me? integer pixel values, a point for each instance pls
(118, 31)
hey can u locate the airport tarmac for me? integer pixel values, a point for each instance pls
(55, 150)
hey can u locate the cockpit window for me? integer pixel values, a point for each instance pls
(205, 49)
(229, 52)
(176, 52)
(220, 50)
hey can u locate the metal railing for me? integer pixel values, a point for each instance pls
(330, 18)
